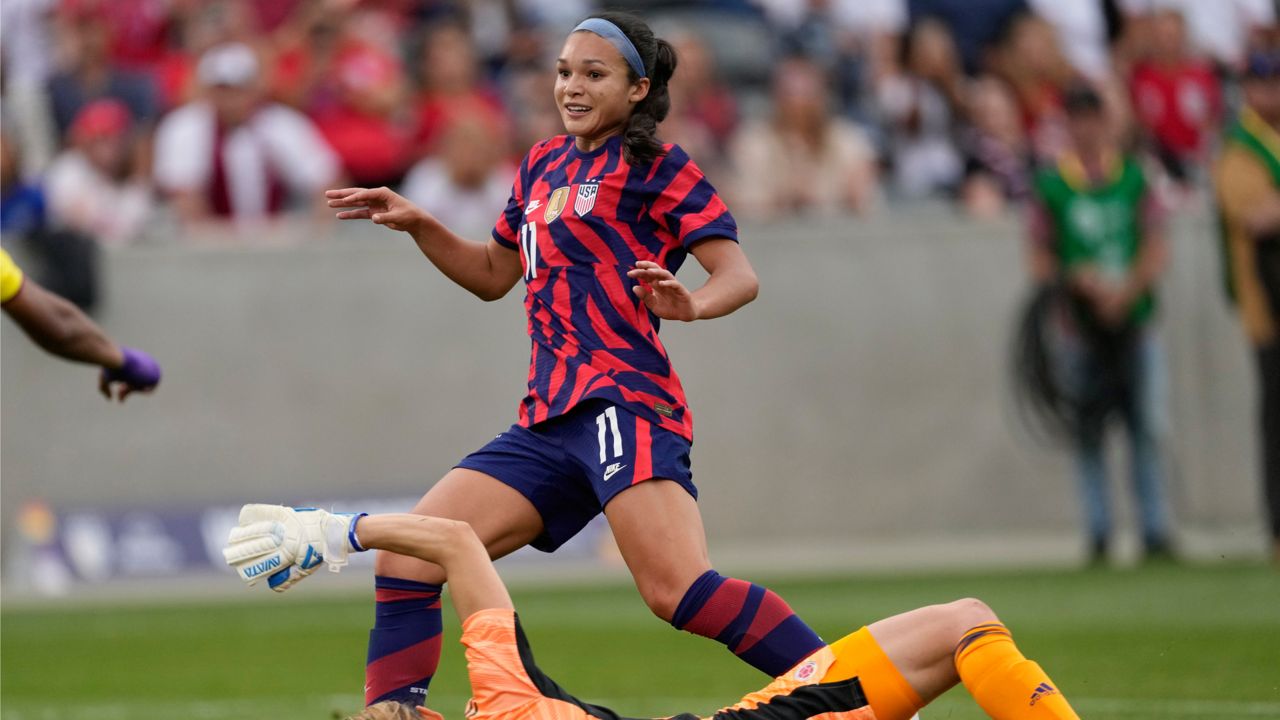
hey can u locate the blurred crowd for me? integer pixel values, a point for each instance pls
(136, 120)
(123, 116)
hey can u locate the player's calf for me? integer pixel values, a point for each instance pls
(752, 621)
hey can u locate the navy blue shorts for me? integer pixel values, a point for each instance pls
(571, 466)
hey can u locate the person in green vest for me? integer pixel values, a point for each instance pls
(1097, 237)
(1247, 177)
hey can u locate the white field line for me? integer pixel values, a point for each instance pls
(318, 705)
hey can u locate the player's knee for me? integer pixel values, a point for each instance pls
(389, 564)
(459, 535)
(968, 613)
(662, 598)
(457, 531)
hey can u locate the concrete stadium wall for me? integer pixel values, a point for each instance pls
(860, 405)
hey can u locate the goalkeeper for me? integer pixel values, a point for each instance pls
(885, 671)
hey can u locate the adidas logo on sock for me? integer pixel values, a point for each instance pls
(1043, 690)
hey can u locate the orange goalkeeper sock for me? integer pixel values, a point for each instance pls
(1004, 683)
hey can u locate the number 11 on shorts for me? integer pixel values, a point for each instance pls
(611, 414)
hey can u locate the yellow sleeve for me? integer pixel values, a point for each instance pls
(1243, 183)
(10, 277)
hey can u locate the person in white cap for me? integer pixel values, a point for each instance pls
(232, 154)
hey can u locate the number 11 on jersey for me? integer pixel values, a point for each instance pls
(611, 415)
(529, 248)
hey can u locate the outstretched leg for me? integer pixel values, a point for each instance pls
(660, 534)
(908, 660)
(404, 645)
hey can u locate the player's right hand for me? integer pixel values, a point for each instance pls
(138, 373)
(285, 544)
(381, 205)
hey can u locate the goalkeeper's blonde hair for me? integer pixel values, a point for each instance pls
(392, 710)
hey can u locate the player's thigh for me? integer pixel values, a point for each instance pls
(921, 643)
(659, 531)
(502, 518)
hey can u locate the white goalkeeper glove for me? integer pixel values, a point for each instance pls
(287, 544)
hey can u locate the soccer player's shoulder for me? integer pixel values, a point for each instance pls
(675, 152)
(674, 155)
(543, 147)
(672, 163)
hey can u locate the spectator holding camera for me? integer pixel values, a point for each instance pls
(1096, 233)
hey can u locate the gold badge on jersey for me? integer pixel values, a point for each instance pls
(556, 203)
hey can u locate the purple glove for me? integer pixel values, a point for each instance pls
(140, 372)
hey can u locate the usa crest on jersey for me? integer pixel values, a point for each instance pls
(586, 198)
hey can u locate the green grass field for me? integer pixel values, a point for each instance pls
(1158, 642)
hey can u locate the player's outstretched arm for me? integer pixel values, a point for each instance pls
(474, 584)
(61, 328)
(284, 545)
(487, 269)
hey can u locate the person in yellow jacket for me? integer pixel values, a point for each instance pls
(62, 329)
(1248, 186)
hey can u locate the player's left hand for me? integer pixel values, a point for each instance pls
(138, 373)
(662, 293)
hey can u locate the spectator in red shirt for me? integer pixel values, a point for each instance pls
(140, 32)
(365, 125)
(451, 86)
(1176, 97)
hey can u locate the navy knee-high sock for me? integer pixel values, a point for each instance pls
(404, 645)
(752, 621)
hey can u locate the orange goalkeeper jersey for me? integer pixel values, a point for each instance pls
(506, 684)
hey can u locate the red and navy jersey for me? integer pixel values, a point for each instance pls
(580, 221)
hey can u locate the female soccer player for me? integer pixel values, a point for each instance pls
(598, 222)
(888, 670)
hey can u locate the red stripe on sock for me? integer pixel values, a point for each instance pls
(772, 612)
(388, 595)
(394, 671)
(644, 452)
(721, 609)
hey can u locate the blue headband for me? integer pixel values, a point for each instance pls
(614, 35)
